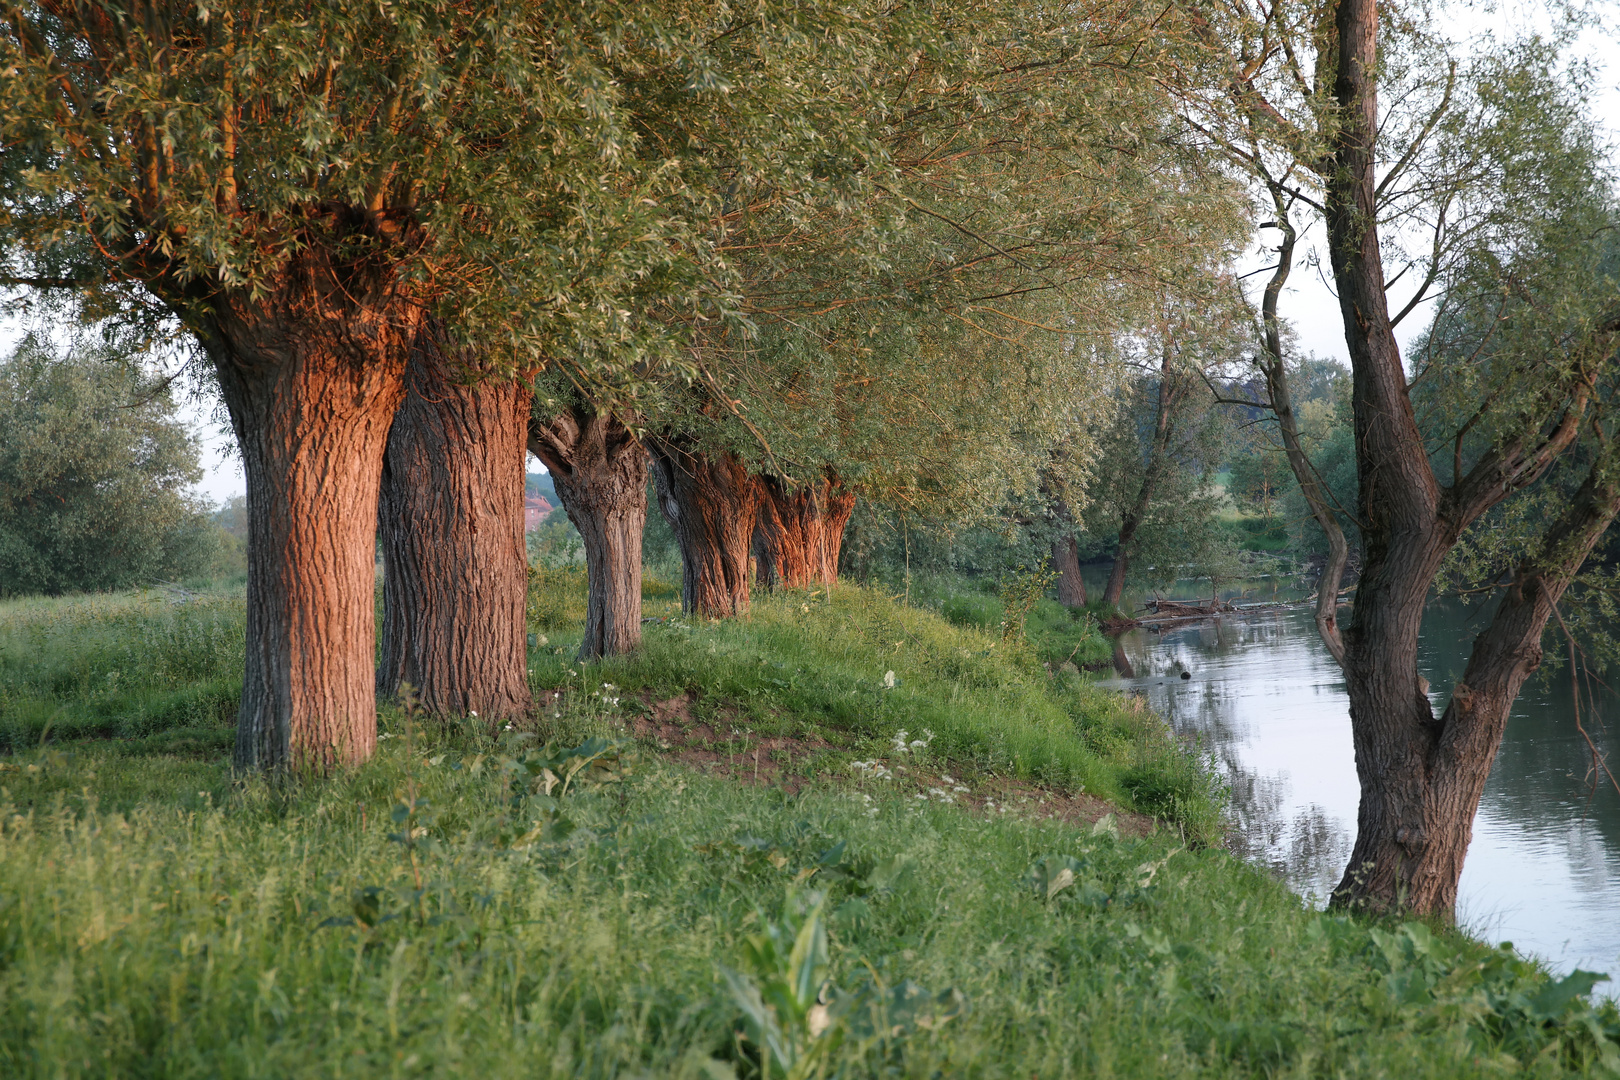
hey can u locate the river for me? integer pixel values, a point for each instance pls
(1268, 702)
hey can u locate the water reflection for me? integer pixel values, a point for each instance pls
(1267, 702)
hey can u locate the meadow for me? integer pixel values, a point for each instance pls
(718, 858)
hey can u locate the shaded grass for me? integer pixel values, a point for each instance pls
(210, 929)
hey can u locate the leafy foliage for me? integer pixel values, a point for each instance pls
(94, 476)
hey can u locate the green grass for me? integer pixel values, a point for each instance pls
(435, 913)
(161, 920)
(1254, 533)
(138, 667)
(813, 666)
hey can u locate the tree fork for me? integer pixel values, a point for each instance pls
(600, 471)
(710, 501)
(1421, 777)
(1410, 844)
(455, 571)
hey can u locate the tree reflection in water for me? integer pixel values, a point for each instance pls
(1268, 703)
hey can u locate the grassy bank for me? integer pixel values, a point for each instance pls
(453, 909)
(214, 929)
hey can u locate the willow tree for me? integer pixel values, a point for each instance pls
(1494, 166)
(300, 186)
(1034, 187)
(450, 529)
(776, 108)
(1164, 441)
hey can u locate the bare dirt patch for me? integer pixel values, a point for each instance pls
(780, 760)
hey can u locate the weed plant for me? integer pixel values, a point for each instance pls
(442, 912)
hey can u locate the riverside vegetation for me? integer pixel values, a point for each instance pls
(571, 900)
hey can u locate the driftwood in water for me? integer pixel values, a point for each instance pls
(1177, 610)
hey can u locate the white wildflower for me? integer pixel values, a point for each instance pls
(473, 714)
(900, 741)
(508, 727)
(888, 680)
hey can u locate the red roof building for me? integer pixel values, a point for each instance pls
(535, 510)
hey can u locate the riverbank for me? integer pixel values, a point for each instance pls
(440, 912)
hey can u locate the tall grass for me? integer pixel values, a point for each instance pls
(236, 930)
(814, 664)
(152, 666)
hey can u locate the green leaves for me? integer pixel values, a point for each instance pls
(799, 1021)
(552, 771)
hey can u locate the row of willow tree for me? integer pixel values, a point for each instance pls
(787, 255)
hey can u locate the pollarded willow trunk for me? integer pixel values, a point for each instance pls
(455, 572)
(710, 501)
(1071, 587)
(799, 532)
(600, 472)
(312, 378)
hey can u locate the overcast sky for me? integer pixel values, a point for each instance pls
(1308, 302)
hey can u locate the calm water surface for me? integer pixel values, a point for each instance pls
(1267, 700)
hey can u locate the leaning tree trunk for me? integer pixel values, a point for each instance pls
(1282, 404)
(1171, 391)
(312, 379)
(1421, 777)
(710, 501)
(600, 472)
(455, 572)
(799, 532)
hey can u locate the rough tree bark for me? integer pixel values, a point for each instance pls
(312, 377)
(1071, 587)
(1421, 776)
(600, 472)
(710, 501)
(455, 572)
(798, 532)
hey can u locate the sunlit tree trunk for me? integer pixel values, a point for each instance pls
(311, 377)
(799, 532)
(600, 471)
(710, 501)
(451, 527)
